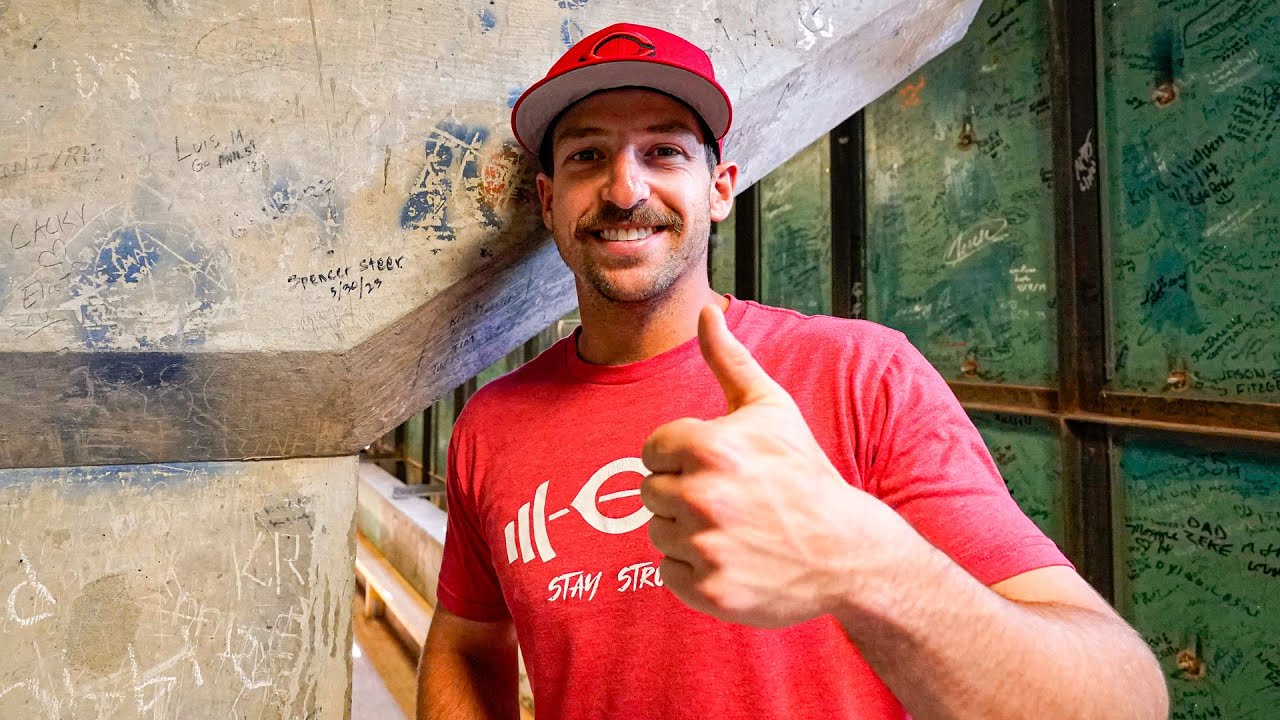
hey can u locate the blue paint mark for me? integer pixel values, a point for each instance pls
(76, 481)
(92, 334)
(1138, 180)
(288, 196)
(570, 32)
(150, 370)
(280, 201)
(138, 255)
(450, 145)
(513, 94)
(128, 254)
(487, 20)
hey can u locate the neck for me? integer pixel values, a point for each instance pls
(615, 333)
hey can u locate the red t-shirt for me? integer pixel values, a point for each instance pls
(546, 525)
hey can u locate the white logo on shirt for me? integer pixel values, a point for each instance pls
(527, 536)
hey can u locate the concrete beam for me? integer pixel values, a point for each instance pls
(251, 230)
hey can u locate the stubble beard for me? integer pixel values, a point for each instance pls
(692, 241)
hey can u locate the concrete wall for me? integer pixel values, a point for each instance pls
(177, 592)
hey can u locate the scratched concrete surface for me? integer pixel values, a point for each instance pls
(177, 592)
(235, 182)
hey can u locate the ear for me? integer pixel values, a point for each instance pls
(544, 197)
(723, 182)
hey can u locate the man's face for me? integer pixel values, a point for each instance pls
(631, 202)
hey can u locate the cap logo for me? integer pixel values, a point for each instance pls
(622, 45)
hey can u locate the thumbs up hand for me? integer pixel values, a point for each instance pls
(757, 526)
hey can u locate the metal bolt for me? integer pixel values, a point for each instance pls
(1164, 94)
(1178, 380)
(970, 366)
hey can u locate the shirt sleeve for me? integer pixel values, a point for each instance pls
(930, 465)
(469, 585)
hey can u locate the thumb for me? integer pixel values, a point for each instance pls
(743, 380)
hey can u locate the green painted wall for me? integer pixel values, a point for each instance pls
(1192, 185)
(1198, 571)
(722, 254)
(795, 232)
(1028, 452)
(959, 206)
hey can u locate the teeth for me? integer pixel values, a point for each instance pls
(625, 234)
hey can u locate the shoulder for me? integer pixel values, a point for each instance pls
(778, 335)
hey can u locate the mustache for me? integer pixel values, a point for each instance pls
(640, 215)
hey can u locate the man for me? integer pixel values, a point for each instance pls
(822, 535)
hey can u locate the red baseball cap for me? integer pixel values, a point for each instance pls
(623, 55)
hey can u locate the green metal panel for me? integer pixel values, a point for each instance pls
(722, 255)
(1198, 571)
(442, 413)
(960, 204)
(1028, 452)
(1191, 106)
(795, 232)
(413, 437)
(502, 366)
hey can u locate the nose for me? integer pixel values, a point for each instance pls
(627, 186)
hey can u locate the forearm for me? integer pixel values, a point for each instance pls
(949, 647)
(453, 686)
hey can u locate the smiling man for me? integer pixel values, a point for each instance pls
(699, 507)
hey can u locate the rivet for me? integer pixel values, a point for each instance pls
(1192, 667)
(1178, 380)
(970, 366)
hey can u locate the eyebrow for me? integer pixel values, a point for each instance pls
(588, 131)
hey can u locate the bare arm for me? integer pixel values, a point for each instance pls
(1042, 644)
(468, 670)
(758, 527)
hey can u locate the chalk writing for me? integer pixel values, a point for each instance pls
(812, 23)
(987, 232)
(1086, 164)
(39, 599)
